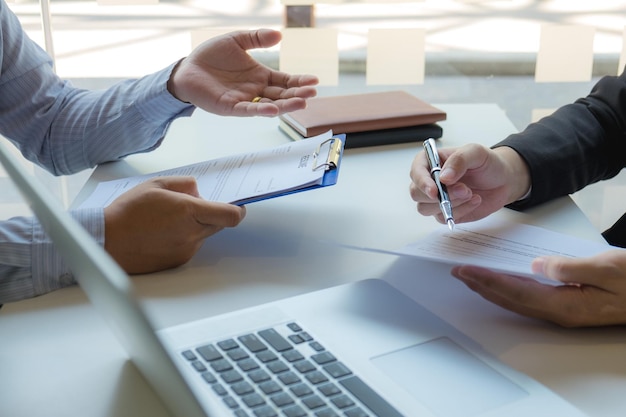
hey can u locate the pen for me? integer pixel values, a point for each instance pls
(435, 168)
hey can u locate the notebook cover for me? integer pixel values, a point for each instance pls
(406, 134)
(362, 112)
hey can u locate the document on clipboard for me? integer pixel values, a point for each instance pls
(248, 177)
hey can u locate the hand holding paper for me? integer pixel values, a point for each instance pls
(587, 280)
(500, 246)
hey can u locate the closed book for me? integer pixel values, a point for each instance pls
(379, 137)
(362, 112)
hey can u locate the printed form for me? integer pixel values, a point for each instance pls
(238, 179)
(500, 246)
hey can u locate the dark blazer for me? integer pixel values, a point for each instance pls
(581, 143)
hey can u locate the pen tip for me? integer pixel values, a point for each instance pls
(450, 224)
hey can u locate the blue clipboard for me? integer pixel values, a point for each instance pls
(329, 163)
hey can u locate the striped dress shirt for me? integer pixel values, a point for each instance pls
(65, 130)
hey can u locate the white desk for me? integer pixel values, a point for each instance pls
(58, 358)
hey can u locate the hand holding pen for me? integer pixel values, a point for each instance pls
(435, 168)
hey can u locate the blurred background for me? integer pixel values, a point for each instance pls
(528, 56)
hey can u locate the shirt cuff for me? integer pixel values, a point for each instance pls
(49, 270)
(158, 103)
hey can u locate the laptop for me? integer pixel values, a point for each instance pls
(358, 349)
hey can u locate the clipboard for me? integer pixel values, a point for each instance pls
(329, 163)
(248, 177)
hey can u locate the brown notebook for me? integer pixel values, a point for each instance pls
(362, 112)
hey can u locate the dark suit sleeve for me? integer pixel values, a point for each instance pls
(581, 143)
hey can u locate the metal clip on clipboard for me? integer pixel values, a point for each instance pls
(334, 153)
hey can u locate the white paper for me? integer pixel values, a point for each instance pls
(238, 178)
(500, 246)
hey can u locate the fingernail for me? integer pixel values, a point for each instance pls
(459, 192)
(447, 173)
(537, 265)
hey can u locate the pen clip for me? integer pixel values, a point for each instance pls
(334, 153)
(432, 155)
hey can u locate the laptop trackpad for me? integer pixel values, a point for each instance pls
(448, 379)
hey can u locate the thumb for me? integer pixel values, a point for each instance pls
(260, 38)
(458, 162)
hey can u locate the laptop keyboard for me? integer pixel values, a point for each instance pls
(284, 372)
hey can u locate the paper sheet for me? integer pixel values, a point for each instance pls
(239, 178)
(499, 246)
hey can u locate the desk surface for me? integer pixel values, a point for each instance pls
(58, 358)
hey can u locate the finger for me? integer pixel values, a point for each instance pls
(422, 184)
(285, 80)
(282, 93)
(213, 213)
(181, 184)
(602, 271)
(254, 39)
(456, 165)
(268, 108)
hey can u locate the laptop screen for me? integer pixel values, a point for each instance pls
(107, 286)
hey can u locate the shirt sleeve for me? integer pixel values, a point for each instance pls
(579, 144)
(65, 130)
(30, 265)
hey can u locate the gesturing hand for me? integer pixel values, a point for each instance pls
(221, 77)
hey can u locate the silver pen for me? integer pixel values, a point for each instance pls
(435, 168)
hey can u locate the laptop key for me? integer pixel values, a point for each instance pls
(219, 389)
(369, 397)
(304, 366)
(356, 412)
(189, 355)
(313, 402)
(337, 369)
(247, 364)
(275, 340)
(342, 401)
(198, 366)
(230, 402)
(209, 377)
(277, 367)
(253, 400)
(292, 355)
(265, 411)
(269, 387)
(295, 411)
(301, 390)
(316, 377)
(282, 399)
(209, 353)
(326, 412)
(259, 375)
(228, 344)
(329, 389)
(221, 365)
(242, 388)
(323, 358)
(237, 354)
(231, 376)
(295, 327)
(288, 378)
(266, 356)
(253, 343)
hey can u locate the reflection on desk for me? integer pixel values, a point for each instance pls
(59, 358)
